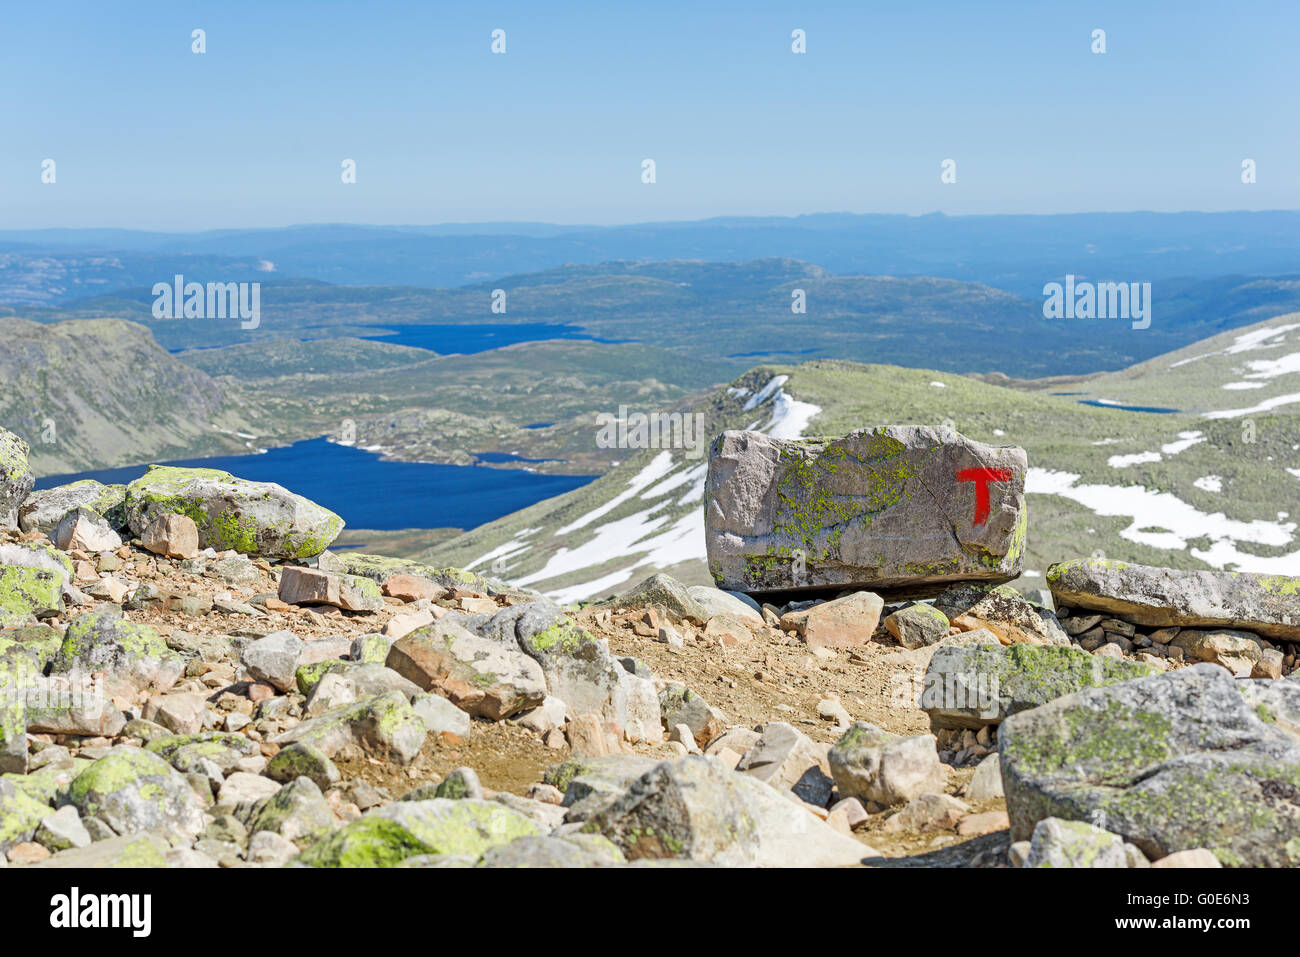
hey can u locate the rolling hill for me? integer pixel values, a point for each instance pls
(1214, 483)
(739, 314)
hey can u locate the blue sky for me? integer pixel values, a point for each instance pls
(148, 135)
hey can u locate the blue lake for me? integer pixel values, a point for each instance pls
(1121, 408)
(466, 338)
(370, 493)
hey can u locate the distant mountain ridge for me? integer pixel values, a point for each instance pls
(1014, 253)
(741, 313)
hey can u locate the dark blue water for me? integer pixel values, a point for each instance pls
(370, 493)
(1124, 408)
(480, 337)
(770, 352)
(508, 457)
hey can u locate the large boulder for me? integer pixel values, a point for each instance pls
(39, 555)
(104, 641)
(256, 518)
(42, 511)
(882, 768)
(28, 593)
(1002, 610)
(310, 586)
(388, 835)
(1172, 762)
(134, 790)
(973, 686)
(901, 510)
(580, 670)
(16, 477)
(384, 723)
(85, 530)
(480, 676)
(380, 568)
(1268, 605)
(697, 809)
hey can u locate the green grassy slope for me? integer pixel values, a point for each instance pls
(1212, 499)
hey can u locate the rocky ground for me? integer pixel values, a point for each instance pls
(168, 698)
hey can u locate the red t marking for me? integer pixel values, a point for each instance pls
(981, 478)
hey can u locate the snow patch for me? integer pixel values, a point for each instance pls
(775, 383)
(1162, 520)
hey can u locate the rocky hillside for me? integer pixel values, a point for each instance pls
(100, 392)
(1212, 483)
(190, 678)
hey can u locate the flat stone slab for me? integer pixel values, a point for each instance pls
(901, 510)
(1268, 605)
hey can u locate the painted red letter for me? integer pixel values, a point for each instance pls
(981, 478)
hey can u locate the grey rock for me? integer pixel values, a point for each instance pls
(715, 601)
(131, 850)
(270, 849)
(1058, 843)
(787, 758)
(385, 836)
(680, 705)
(103, 640)
(133, 790)
(385, 723)
(302, 760)
(576, 850)
(86, 530)
(1161, 597)
(297, 811)
(256, 518)
(1002, 610)
(666, 592)
(986, 783)
(546, 816)
(1177, 761)
(591, 783)
(876, 766)
(62, 830)
(440, 715)
(694, 808)
(42, 511)
(16, 477)
(917, 625)
(969, 687)
(273, 659)
(459, 784)
(881, 509)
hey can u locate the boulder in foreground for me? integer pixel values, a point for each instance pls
(256, 518)
(904, 510)
(1178, 761)
(16, 477)
(1268, 605)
